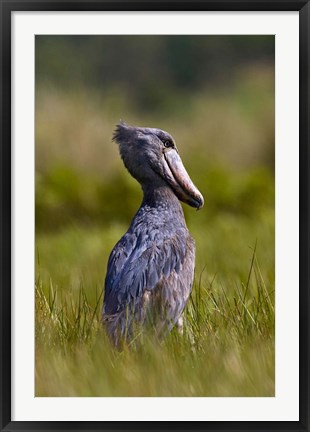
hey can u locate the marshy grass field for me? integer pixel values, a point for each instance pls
(85, 201)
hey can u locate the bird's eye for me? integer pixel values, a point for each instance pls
(167, 144)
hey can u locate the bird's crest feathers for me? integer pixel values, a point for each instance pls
(122, 132)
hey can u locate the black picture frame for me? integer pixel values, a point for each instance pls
(6, 8)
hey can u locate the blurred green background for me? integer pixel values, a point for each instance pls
(215, 95)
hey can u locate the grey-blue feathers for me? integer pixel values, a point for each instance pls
(150, 270)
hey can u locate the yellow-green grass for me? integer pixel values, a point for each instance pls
(227, 348)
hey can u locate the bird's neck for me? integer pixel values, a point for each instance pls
(161, 197)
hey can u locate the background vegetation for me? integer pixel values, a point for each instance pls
(215, 95)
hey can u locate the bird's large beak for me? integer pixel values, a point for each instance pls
(176, 175)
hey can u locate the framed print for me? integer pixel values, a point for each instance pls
(121, 306)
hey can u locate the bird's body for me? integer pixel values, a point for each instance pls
(151, 269)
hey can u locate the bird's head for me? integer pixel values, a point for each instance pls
(150, 155)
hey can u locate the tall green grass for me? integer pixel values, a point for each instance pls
(227, 348)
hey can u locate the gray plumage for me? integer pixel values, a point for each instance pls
(150, 270)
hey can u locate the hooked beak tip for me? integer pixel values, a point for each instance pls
(200, 202)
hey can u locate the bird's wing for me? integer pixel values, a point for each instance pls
(137, 264)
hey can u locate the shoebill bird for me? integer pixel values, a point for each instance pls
(151, 269)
